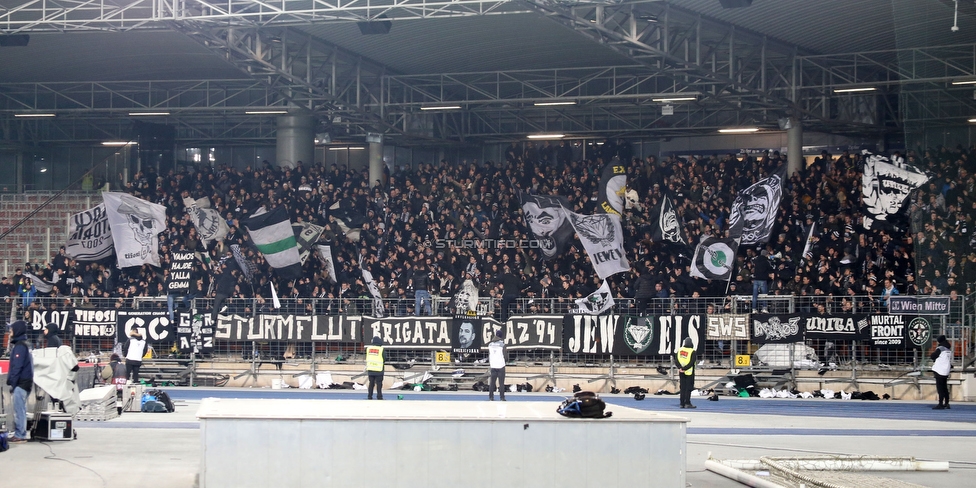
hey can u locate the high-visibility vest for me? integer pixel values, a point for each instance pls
(374, 358)
(684, 358)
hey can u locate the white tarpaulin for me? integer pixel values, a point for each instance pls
(778, 355)
(53, 374)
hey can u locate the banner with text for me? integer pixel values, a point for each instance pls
(289, 328)
(180, 269)
(153, 325)
(630, 335)
(410, 332)
(195, 334)
(90, 322)
(727, 326)
(530, 332)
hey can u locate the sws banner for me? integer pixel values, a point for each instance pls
(195, 334)
(289, 328)
(153, 325)
(529, 332)
(727, 326)
(630, 335)
(410, 332)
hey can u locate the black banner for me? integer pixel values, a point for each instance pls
(410, 332)
(628, 335)
(40, 318)
(195, 334)
(776, 329)
(466, 333)
(918, 332)
(153, 325)
(528, 332)
(924, 305)
(90, 322)
(289, 328)
(888, 331)
(180, 271)
(841, 327)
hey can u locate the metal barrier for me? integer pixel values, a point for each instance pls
(850, 356)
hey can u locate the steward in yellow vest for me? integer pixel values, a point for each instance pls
(375, 359)
(686, 358)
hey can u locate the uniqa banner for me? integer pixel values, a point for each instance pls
(288, 328)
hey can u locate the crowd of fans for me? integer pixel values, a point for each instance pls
(422, 226)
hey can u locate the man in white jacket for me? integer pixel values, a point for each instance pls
(941, 368)
(496, 360)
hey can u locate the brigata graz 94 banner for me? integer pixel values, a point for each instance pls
(630, 335)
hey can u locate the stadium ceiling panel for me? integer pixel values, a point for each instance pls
(611, 68)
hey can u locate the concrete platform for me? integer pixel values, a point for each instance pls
(163, 450)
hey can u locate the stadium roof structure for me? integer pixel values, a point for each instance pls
(219, 71)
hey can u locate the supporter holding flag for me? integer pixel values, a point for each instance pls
(613, 186)
(272, 234)
(755, 208)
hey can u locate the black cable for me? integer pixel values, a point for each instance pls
(55, 457)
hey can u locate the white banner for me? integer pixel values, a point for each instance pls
(136, 225)
(210, 225)
(89, 235)
(595, 303)
(603, 239)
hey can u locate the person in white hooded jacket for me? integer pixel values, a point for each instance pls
(941, 368)
(496, 361)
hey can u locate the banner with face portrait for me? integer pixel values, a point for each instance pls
(547, 217)
(755, 208)
(885, 185)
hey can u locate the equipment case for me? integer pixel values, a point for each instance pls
(54, 426)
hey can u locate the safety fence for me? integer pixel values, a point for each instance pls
(857, 333)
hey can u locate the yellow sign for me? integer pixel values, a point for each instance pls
(442, 357)
(742, 360)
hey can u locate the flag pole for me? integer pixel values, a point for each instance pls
(728, 282)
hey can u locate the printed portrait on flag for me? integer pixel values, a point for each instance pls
(885, 185)
(136, 225)
(754, 209)
(546, 217)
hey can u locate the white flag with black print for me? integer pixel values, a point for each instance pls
(885, 184)
(89, 235)
(306, 235)
(210, 225)
(325, 254)
(714, 258)
(666, 224)
(755, 208)
(603, 238)
(379, 311)
(39, 283)
(595, 303)
(136, 225)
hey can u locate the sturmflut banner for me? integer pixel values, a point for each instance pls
(289, 328)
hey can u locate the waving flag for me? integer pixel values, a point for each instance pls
(885, 185)
(272, 234)
(210, 225)
(714, 258)
(595, 303)
(136, 225)
(666, 224)
(613, 185)
(754, 209)
(547, 217)
(89, 235)
(603, 238)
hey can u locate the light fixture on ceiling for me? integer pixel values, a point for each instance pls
(550, 104)
(441, 107)
(964, 82)
(44, 169)
(955, 18)
(38, 114)
(147, 114)
(855, 90)
(546, 136)
(347, 148)
(266, 112)
(674, 99)
(739, 130)
(118, 143)
(972, 121)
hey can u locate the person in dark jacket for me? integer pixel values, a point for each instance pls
(375, 362)
(51, 335)
(686, 358)
(226, 286)
(21, 377)
(644, 290)
(420, 279)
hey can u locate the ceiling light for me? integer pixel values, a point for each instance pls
(117, 143)
(973, 121)
(442, 107)
(739, 130)
(548, 104)
(147, 114)
(546, 136)
(675, 99)
(43, 170)
(266, 112)
(345, 148)
(34, 115)
(964, 82)
(852, 90)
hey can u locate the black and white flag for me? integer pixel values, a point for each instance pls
(885, 185)
(136, 225)
(714, 258)
(613, 186)
(378, 309)
(666, 224)
(40, 284)
(603, 238)
(595, 303)
(210, 225)
(89, 235)
(754, 209)
(248, 268)
(325, 254)
(306, 234)
(548, 218)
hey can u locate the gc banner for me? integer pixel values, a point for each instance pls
(289, 328)
(153, 325)
(529, 332)
(410, 332)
